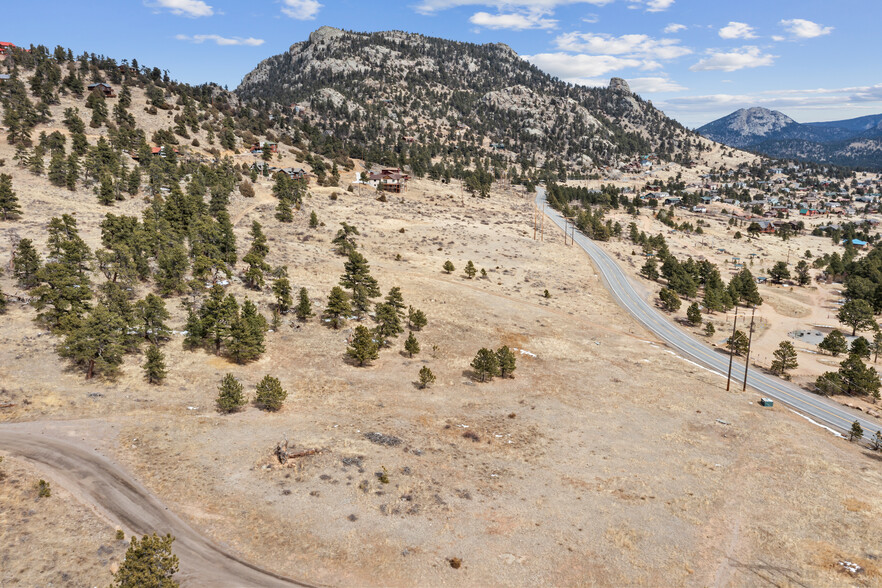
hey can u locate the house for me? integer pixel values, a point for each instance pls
(857, 243)
(105, 89)
(160, 151)
(389, 180)
(699, 209)
(5, 47)
(809, 212)
(4, 77)
(294, 173)
(258, 148)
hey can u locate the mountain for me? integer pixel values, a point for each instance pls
(373, 90)
(854, 142)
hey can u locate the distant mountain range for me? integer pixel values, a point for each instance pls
(854, 142)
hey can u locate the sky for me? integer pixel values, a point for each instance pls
(697, 60)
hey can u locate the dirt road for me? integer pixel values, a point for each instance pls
(97, 481)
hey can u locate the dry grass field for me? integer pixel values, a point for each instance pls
(604, 461)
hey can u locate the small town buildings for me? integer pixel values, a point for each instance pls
(105, 89)
(258, 148)
(5, 47)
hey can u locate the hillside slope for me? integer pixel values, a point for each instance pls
(374, 89)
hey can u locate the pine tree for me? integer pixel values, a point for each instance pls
(470, 270)
(282, 291)
(709, 329)
(693, 314)
(154, 367)
(416, 319)
(357, 277)
(486, 364)
(313, 220)
(3, 303)
(388, 323)
(650, 269)
(344, 240)
(411, 345)
(270, 394)
(26, 263)
(396, 300)
(58, 169)
(448, 267)
(229, 395)
(737, 342)
(148, 562)
(426, 377)
(9, 206)
(338, 307)
(96, 343)
(72, 172)
(669, 299)
(363, 347)
(150, 315)
(171, 268)
(284, 214)
(507, 362)
(856, 432)
(304, 306)
(858, 378)
(785, 358)
(803, 277)
(834, 343)
(857, 314)
(247, 334)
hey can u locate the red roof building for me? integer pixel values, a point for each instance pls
(5, 47)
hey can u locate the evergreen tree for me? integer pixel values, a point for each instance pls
(212, 323)
(856, 432)
(650, 269)
(737, 342)
(247, 334)
(448, 267)
(470, 270)
(344, 240)
(857, 314)
(96, 343)
(9, 206)
(669, 299)
(388, 323)
(150, 316)
(858, 378)
(282, 291)
(72, 172)
(357, 277)
(861, 348)
(149, 563)
(779, 272)
(803, 277)
(485, 364)
(62, 296)
(744, 289)
(416, 319)
(426, 377)
(270, 394)
(154, 367)
(363, 348)
(58, 169)
(229, 395)
(709, 329)
(313, 220)
(284, 214)
(834, 343)
(693, 314)
(396, 300)
(171, 268)
(411, 345)
(338, 307)
(507, 362)
(26, 263)
(785, 358)
(304, 306)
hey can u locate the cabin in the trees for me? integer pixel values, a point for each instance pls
(295, 173)
(5, 47)
(389, 180)
(105, 89)
(4, 77)
(258, 148)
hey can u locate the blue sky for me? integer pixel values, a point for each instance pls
(695, 59)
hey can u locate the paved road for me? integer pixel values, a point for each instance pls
(816, 407)
(96, 480)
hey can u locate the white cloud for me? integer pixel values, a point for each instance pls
(674, 28)
(635, 46)
(513, 21)
(591, 18)
(658, 5)
(778, 38)
(737, 30)
(805, 29)
(579, 67)
(654, 85)
(224, 41)
(433, 6)
(746, 57)
(301, 9)
(191, 8)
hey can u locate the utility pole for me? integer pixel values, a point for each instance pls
(747, 361)
(731, 350)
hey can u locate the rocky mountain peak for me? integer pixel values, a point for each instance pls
(619, 85)
(325, 33)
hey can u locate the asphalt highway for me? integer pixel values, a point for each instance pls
(806, 403)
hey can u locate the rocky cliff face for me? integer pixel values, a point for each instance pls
(375, 87)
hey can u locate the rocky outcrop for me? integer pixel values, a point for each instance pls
(619, 85)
